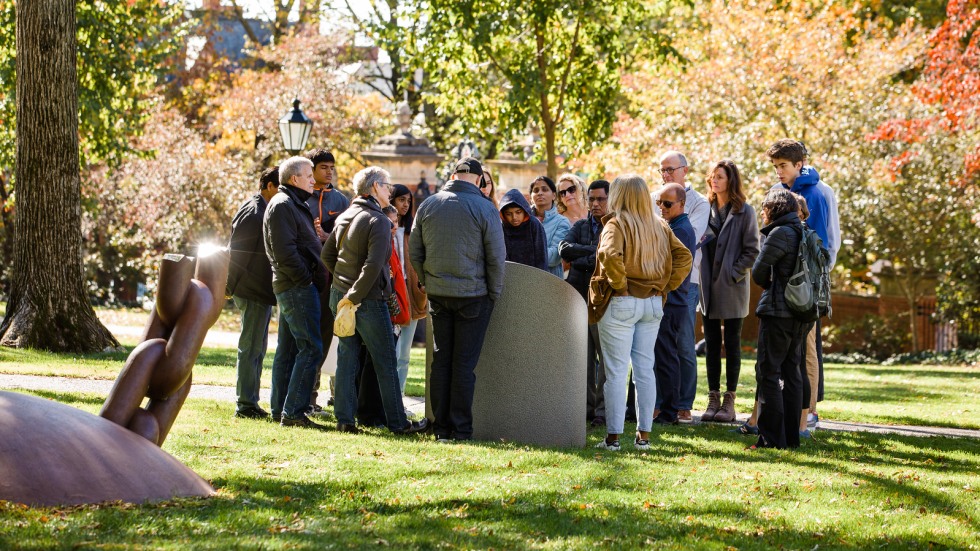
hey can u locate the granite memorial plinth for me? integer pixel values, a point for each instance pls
(530, 381)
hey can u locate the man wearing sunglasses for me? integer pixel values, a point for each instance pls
(674, 323)
(674, 170)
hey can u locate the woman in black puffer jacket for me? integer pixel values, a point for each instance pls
(780, 386)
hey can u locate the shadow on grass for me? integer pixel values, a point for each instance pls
(68, 397)
(938, 371)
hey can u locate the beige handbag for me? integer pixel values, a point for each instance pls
(343, 324)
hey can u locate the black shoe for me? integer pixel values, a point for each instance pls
(352, 429)
(414, 427)
(300, 421)
(330, 402)
(663, 420)
(252, 413)
(598, 421)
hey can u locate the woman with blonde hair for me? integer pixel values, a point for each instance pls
(571, 198)
(640, 260)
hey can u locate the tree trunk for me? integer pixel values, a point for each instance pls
(48, 307)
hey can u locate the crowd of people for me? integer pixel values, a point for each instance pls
(644, 262)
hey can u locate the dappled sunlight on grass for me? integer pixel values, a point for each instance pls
(697, 487)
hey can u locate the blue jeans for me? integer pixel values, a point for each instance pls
(372, 327)
(459, 326)
(405, 351)
(298, 351)
(686, 353)
(628, 331)
(252, 345)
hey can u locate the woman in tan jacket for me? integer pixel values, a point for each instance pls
(641, 260)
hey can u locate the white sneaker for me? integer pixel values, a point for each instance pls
(609, 446)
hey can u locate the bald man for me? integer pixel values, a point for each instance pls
(676, 320)
(674, 170)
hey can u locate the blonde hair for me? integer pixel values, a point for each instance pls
(647, 242)
(579, 190)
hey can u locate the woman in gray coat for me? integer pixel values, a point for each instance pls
(726, 260)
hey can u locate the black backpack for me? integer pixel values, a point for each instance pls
(807, 292)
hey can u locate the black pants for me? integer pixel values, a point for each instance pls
(595, 378)
(459, 326)
(370, 408)
(668, 363)
(780, 387)
(326, 335)
(733, 352)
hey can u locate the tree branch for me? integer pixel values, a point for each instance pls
(560, 115)
(240, 16)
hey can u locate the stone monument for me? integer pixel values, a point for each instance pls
(406, 157)
(530, 381)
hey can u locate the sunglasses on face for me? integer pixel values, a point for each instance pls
(567, 191)
(666, 204)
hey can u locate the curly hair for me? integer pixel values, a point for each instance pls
(792, 150)
(777, 203)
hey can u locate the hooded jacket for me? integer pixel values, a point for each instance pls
(807, 186)
(775, 264)
(525, 243)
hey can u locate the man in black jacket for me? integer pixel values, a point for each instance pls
(250, 284)
(578, 248)
(297, 276)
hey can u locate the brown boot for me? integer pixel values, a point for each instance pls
(727, 412)
(713, 405)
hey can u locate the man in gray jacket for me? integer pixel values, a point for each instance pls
(297, 275)
(457, 249)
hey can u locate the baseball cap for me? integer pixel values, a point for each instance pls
(468, 165)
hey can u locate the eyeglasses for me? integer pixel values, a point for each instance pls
(668, 171)
(598, 199)
(666, 204)
(567, 191)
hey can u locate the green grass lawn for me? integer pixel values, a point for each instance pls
(697, 488)
(907, 395)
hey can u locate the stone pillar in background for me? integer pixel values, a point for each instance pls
(406, 157)
(513, 172)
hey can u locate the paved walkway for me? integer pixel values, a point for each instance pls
(417, 404)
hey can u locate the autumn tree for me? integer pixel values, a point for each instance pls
(937, 141)
(553, 65)
(194, 172)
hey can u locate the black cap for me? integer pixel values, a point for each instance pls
(468, 165)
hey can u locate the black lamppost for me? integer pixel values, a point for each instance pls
(295, 129)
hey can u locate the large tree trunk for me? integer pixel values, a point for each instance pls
(48, 307)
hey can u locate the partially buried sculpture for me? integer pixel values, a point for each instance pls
(90, 459)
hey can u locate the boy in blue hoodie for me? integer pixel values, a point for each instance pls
(524, 234)
(787, 157)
